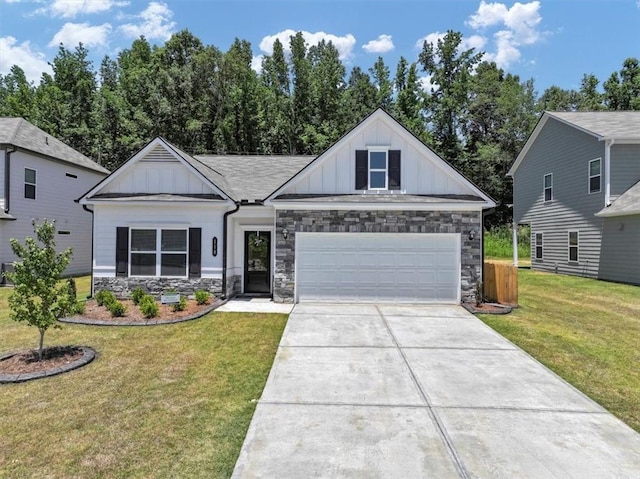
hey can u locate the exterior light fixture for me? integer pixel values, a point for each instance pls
(285, 233)
(214, 246)
(472, 235)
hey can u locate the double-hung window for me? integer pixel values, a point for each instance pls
(595, 176)
(573, 246)
(158, 252)
(378, 164)
(548, 187)
(538, 246)
(30, 183)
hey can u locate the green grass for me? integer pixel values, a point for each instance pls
(498, 243)
(585, 330)
(161, 401)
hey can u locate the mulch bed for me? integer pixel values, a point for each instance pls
(22, 366)
(488, 308)
(100, 315)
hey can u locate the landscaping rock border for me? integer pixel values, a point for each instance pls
(150, 322)
(89, 354)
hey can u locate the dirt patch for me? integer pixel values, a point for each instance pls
(22, 366)
(488, 308)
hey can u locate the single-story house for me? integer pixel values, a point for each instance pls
(377, 217)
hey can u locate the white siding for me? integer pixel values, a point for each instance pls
(55, 195)
(421, 173)
(109, 217)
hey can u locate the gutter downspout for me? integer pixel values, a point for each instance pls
(7, 178)
(607, 169)
(84, 207)
(225, 227)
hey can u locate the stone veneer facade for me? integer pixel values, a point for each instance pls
(123, 286)
(337, 221)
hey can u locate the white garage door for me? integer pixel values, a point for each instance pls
(380, 267)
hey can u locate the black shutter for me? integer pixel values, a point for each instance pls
(195, 246)
(362, 169)
(394, 169)
(122, 251)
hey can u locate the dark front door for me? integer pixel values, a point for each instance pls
(257, 262)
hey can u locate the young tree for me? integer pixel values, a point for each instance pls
(39, 298)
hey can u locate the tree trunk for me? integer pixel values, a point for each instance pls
(41, 342)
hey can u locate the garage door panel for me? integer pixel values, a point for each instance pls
(377, 267)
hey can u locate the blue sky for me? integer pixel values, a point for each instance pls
(551, 41)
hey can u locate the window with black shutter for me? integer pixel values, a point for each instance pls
(122, 251)
(378, 169)
(195, 247)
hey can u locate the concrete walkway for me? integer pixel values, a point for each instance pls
(247, 304)
(365, 391)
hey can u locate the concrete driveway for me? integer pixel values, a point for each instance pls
(407, 391)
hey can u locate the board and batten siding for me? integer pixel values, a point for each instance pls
(55, 195)
(157, 172)
(564, 152)
(336, 173)
(109, 216)
(620, 259)
(625, 168)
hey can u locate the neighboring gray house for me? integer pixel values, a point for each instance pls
(576, 182)
(377, 217)
(40, 177)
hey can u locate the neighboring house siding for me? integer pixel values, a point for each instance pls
(336, 174)
(564, 152)
(621, 249)
(625, 168)
(109, 217)
(55, 195)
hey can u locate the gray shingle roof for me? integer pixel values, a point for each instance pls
(19, 132)
(250, 177)
(605, 124)
(628, 203)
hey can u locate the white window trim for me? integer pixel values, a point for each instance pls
(577, 246)
(544, 188)
(535, 245)
(593, 176)
(158, 251)
(384, 150)
(35, 185)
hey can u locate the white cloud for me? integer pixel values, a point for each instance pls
(519, 24)
(426, 84)
(33, 63)
(90, 36)
(343, 44)
(474, 41)
(382, 44)
(73, 8)
(256, 63)
(431, 38)
(155, 22)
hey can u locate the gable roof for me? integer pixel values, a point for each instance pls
(20, 133)
(380, 113)
(628, 203)
(602, 125)
(254, 177)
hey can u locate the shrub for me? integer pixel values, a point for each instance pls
(78, 307)
(105, 298)
(117, 309)
(72, 291)
(148, 306)
(136, 295)
(181, 305)
(202, 296)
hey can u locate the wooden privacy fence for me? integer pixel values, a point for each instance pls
(501, 283)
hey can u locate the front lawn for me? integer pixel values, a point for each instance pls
(159, 401)
(585, 330)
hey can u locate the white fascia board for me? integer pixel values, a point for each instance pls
(525, 149)
(137, 157)
(300, 205)
(195, 202)
(618, 141)
(607, 214)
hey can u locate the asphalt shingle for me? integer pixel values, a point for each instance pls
(605, 124)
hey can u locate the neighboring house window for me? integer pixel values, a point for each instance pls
(573, 246)
(378, 169)
(595, 176)
(158, 252)
(538, 245)
(30, 183)
(548, 187)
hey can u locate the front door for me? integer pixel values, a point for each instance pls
(257, 262)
